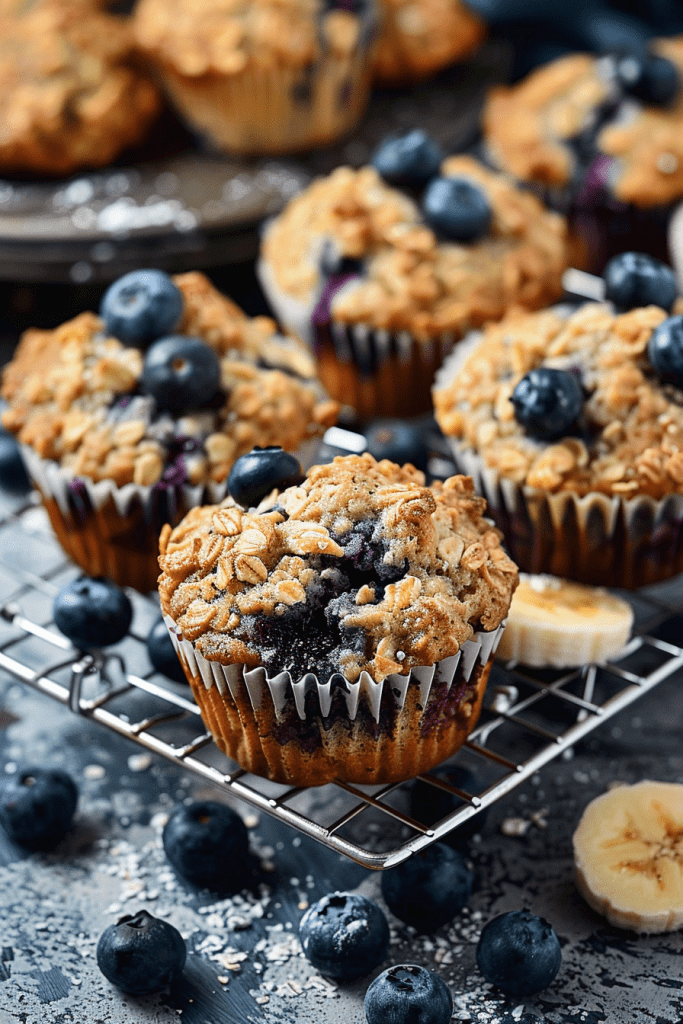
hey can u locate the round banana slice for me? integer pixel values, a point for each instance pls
(554, 623)
(628, 855)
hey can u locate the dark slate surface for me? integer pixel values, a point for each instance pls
(55, 906)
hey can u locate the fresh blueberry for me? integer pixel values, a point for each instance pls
(12, 470)
(547, 402)
(92, 612)
(633, 280)
(397, 441)
(141, 954)
(650, 78)
(257, 473)
(665, 350)
(207, 843)
(181, 374)
(429, 804)
(408, 994)
(457, 209)
(429, 888)
(344, 936)
(162, 652)
(520, 953)
(408, 160)
(141, 306)
(605, 30)
(36, 807)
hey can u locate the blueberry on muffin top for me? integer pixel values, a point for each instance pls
(361, 567)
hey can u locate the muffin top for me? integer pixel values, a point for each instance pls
(418, 37)
(591, 121)
(77, 395)
(226, 37)
(361, 567)
(627, 438)
(73, 91)
(369, 246)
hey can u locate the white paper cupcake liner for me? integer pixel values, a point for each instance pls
(282, 688)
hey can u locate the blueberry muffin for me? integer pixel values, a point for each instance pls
(418, 37)
(601, 138)
(381, 285)
(262, 76)
(120, 440)
(73, 90)
(571, 422)
(344, 627)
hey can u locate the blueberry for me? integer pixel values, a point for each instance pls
(92, 612)
(207, 843)
(408, 160)
(181, 374)
(141, 306)
(456, 209)
(408, 994)
(36, 807)
(429, 888)
(141, 954)
(344, 936)
(520, 953)
(547, 402)
(12, 470)
(633, 279)
(649, 77)
(397, 441)
(162, 652)
(429, 804)
(257, 473)
(665, 350)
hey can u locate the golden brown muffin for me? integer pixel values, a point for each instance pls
(372, 593)
(73, 92)
(418, 37)
(112, 467)
(262, 76)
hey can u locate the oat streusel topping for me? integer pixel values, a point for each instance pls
(74, 93)
(373, 570)
(419, 36)
(73, 396)
(224, 37)
(532, 129)
(630, 440)
(410, 281)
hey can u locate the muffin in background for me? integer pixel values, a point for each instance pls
(601, 140)
(262, 76)
(419, 37)
(358, 270)
(345, 627)
(116, 443)
(570, 421)
(74, 92)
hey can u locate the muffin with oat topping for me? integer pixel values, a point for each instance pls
(74, 90)
(601, 139)
(571, 423)
(381, 285)
(262, 76)
(419, 37)
(122, 436)
(344, 628)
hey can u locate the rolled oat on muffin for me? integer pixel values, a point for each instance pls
(119, 441)
(344, 628)
(359, 270)
(419, 37)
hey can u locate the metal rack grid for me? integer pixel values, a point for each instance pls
(530, 718)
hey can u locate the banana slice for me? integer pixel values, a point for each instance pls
(559, 624)
(628, 855)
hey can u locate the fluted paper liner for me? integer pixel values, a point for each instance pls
(242, 707)
(378, 372)
(116, 535)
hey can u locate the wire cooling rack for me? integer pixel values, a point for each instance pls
(530, 718)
